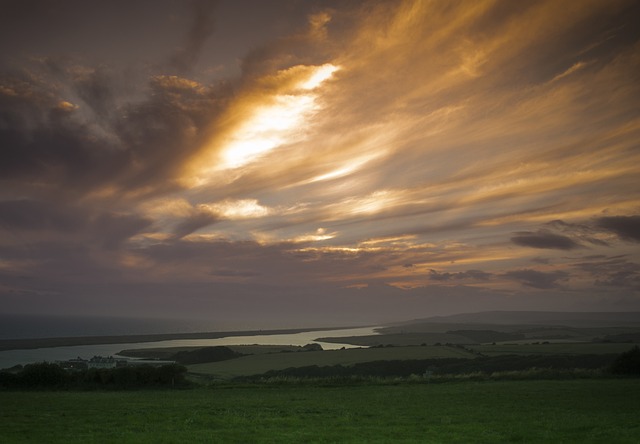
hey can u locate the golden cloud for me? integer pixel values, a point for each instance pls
(272, 113)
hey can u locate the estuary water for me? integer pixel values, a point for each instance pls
(10, 358)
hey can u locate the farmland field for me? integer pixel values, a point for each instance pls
(569, 348)
(257, 364)
(585, 411)
(168, 352)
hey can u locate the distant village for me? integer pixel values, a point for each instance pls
(100, 362)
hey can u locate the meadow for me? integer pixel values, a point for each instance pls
(585, 411)
(567, 348)
(261, 363)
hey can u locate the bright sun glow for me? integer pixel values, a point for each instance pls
(270, 127)
(319, 75)
(276, 123)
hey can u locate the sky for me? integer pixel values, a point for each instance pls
(295, 163)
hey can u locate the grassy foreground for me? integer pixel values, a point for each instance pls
(489, 412)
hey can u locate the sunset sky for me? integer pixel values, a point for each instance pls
(292, 163)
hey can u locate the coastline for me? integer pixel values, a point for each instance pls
(29, 344)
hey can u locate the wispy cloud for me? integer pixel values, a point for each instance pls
(386, 148)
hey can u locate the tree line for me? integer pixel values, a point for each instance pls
(45, 375)
(627, 363)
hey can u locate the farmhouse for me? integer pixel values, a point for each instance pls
(74, 364)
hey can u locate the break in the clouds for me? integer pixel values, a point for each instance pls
(267, 162)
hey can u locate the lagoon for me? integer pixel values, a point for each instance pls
(9, 358)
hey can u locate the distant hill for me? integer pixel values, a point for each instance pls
(572, 319)
(495, 326)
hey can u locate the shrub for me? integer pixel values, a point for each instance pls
(172, 374)
(51, 376)
(125, 377)
(8, 379)
(42, 375)
(628, 363)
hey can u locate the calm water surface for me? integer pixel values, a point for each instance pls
(10, 358)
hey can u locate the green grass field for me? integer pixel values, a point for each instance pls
(396, 336)
(399, 339)
(569, 348)
(580, 411)
(257, 364)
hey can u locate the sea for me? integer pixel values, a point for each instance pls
(18, 326)
(31, 327)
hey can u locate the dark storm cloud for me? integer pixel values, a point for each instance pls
(584, 232)
(113, 228)
(35, 215)
(626, 227)
(41, 141)
(161, 133)
(544, 239)
(623, 279)
(106, 228)
(165, 130)
(202, 28)
(53, 255)
(615, 271)
(177, 251)
(537, 279)
(283, 263)
(96, 90)
(61, 156)
(103, 32)
(73, 129)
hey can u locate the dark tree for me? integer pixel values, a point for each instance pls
(628, 363)
(172, 374)
(43, 375)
